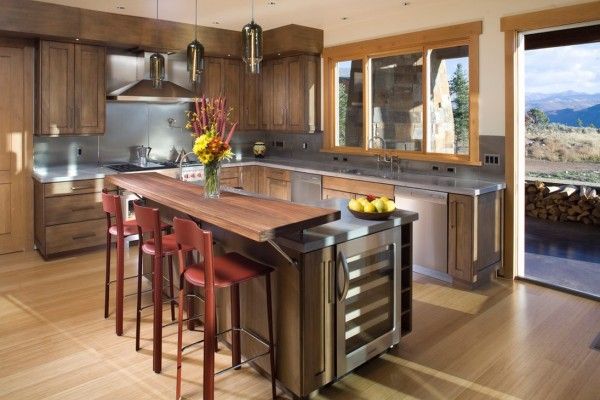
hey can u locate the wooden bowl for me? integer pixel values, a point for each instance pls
(376, 216)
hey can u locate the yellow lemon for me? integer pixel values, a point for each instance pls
(355, 205)
(384, 199)
(390, 206)
(370, 208)
(378, 204)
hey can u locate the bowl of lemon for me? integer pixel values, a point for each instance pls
(372, 207)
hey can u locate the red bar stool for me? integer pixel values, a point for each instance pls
(158, 246)
(111, 204)
(218, 272)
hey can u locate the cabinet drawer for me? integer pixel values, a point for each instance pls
(230, 172)
(75, 187)
(75, 208)
(361, 188)
(279, 174)
(77, 235)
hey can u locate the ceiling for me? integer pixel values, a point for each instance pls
(233, 14)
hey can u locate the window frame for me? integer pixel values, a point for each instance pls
(422, 41)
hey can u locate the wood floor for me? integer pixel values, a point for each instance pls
(506, 341)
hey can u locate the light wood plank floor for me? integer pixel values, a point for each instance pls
(506, 341)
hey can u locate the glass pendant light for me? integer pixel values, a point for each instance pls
(252, 45)
(157, 64)
(195, 54)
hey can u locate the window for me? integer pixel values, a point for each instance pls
(413, 95)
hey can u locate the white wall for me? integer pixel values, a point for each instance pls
(425, 14)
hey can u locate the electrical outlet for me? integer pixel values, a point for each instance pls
(452, 170)
(79, 152)
(278, 143)
(335, 158)
(435, 168)
(305, 145)
(491, 159)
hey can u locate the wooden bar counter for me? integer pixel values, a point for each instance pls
(342, 286)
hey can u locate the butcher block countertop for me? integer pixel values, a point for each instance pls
(256, 218)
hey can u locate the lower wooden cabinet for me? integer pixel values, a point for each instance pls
(277, 184)
(352, 188)
(68, 216)
(475, 230)
(231, 177)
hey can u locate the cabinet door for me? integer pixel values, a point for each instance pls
(278, 189)
(266, 90)
(56, 97)
(90, 89)
(232, 73)
(318, 312)
(460, 237)
(280, 95)
(250, 101)
(250, 178)
(296, 120)
(212, 79)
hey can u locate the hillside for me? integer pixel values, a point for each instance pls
(561, 101)
(588, 116)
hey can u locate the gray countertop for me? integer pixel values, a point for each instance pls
(348, 227)
(419, 181)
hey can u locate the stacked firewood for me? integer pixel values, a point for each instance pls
(562, 202)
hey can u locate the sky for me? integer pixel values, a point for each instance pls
(560, 69)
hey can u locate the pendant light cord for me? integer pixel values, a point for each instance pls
(252, 10)
(196, 22)
(157, 10)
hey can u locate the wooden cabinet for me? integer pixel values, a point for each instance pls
(212, 77)
(232, 88)
(290, 94)
(277, 184)
(474, 234)
(351, 188)
(250, 178)
(71, 89)
(250, 101)
(231, 177)
(68, 215)
(266, 91)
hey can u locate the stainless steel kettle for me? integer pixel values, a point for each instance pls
(143, 154)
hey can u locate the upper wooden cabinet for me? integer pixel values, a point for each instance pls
(223, 77)
(250, 101)
(71, 89)
(290, 94)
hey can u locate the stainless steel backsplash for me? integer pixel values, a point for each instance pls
(127, 125)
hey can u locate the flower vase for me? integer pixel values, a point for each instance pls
(212, 185)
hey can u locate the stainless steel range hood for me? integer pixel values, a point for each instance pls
(128, 79)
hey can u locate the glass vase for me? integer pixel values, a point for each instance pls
(212, 185)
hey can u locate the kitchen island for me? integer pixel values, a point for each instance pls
(342, 286)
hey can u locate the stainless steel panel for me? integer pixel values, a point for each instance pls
(306, 188)
(430, 232)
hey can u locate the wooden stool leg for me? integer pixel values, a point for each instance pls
(271, 345)
(179, 341)
(171, 292)
(107, 275)
(120, 284)
(138, 314)
(208, 384)
(236, 355)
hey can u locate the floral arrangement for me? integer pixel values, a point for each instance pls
(209, 124)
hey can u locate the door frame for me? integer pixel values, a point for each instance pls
(28, 46)
(513, 27)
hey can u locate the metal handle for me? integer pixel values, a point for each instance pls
(82, 208)
(330, 283)
(81, 187)
(83, 236)
(344, 290)
(452, 214)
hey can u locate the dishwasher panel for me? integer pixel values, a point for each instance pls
(306, 188)
(430, 232)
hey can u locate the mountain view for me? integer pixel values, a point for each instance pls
(569, 108)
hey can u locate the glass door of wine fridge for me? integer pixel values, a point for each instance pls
(368, 298)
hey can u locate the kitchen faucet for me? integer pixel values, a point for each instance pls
(182, 156)
(382, 158)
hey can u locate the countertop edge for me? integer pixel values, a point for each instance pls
(101, 172)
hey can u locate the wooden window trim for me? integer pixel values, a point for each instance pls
(512, 26)
(463, 34)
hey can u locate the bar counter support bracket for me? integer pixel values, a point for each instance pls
(283, 253)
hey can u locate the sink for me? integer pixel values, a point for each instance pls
(350, 171)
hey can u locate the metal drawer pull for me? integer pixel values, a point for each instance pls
(81, 187)
(83, 236)
(82, 208)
